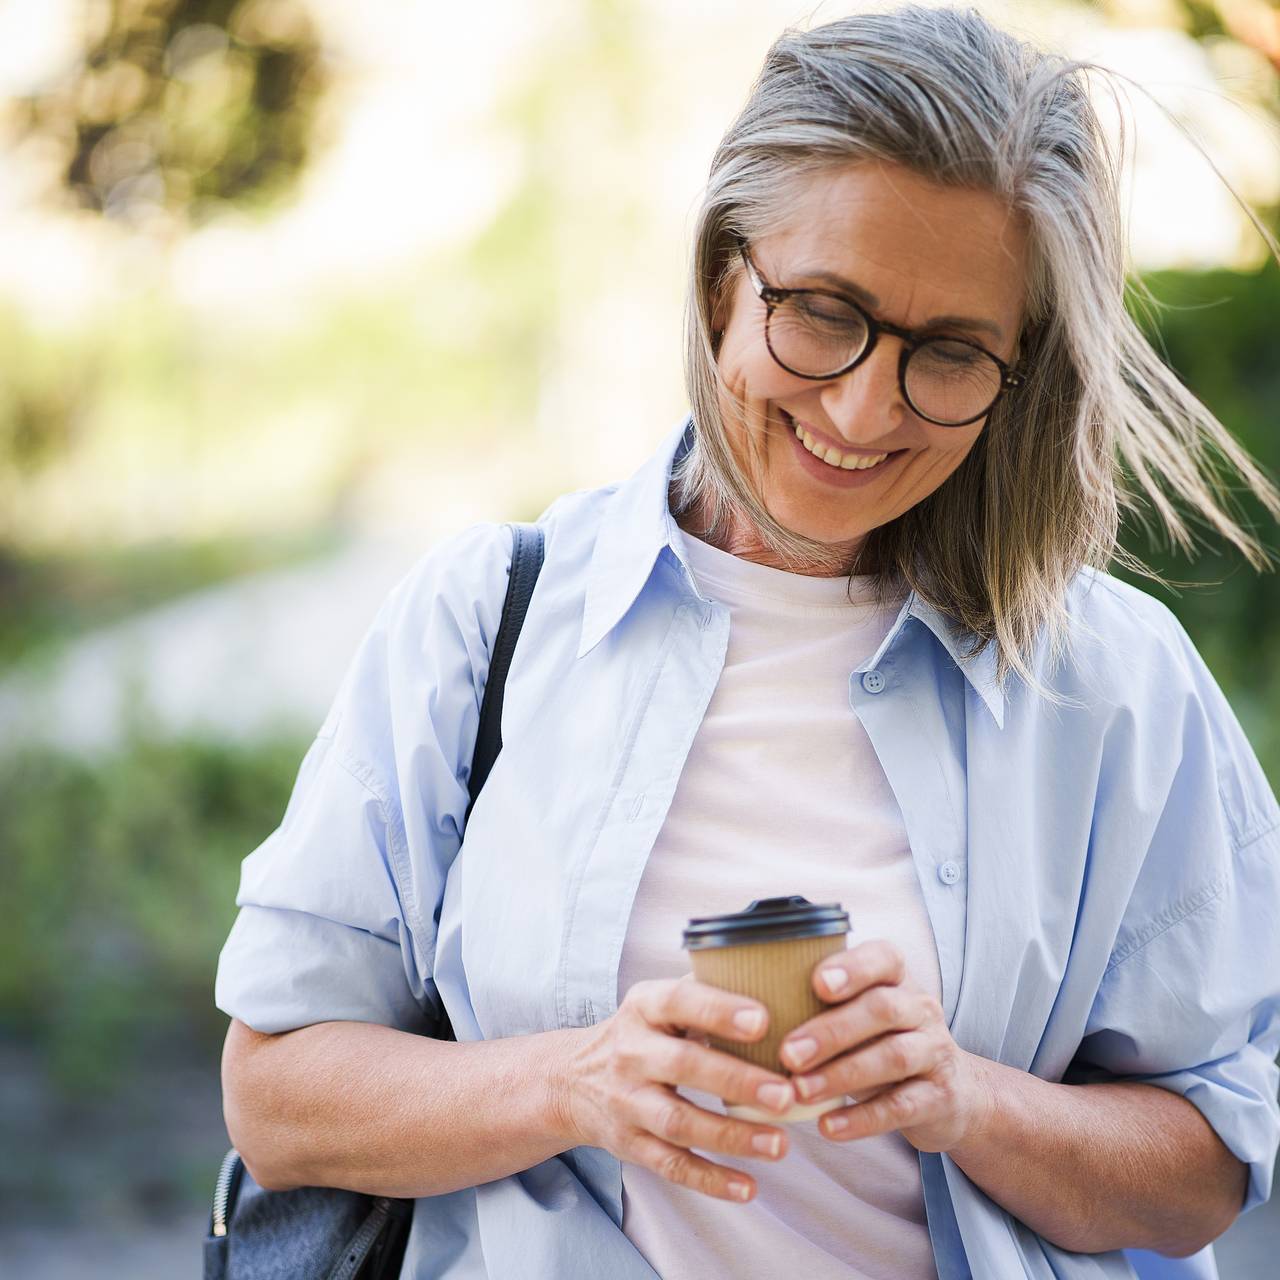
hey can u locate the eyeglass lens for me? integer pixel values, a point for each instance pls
(946, 380)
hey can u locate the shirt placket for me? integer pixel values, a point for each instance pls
(894, 695)
(674, 702)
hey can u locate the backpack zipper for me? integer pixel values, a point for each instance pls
(222, 1190)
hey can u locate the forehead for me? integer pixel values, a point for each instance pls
(920, 248)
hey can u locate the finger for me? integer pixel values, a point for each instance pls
(873, 1012)
(886, 1061)
(912, 1103)
(692, 1005)
(697, 1066)
(681, 1166)
(685, 1031)
(667, 1115)
(700, 1036)
(843, 975)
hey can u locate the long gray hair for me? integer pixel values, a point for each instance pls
(1100, 423)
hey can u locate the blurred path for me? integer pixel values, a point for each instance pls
(170, 1252)
(234, 660)
(266, 651)
(113, 1181)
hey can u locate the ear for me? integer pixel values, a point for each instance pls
(1027, 338)
(719, 315)
(720, 294)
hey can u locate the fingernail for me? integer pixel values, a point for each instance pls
(767, 1144)
(807, 1086)
(739, 1190)
(835, 1123)
(749, 1020)
(800, 1051)
(834, 979)
(777, 1096)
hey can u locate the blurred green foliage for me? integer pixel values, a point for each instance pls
(153, 419)
(1218, 331)
(123, 874)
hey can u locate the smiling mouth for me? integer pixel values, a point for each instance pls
(838, 459)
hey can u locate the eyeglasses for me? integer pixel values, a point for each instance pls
(817, 334)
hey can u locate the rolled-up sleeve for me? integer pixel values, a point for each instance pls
(339, 905)
(321, 935)
(1190, 1000)
(1197, 1010)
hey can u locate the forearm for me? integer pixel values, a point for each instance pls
(372, 1109)
(1102, 1166)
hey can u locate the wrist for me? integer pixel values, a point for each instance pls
(558, 1070)
(981, 1092)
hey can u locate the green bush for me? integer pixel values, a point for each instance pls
(123, 874)
(1218, 333)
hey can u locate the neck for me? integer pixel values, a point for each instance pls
(743, 539)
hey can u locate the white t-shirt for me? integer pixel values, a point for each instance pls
(782, 793)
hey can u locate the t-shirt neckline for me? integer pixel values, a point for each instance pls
(734, 579)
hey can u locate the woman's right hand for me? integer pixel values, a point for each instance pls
(620, 1085)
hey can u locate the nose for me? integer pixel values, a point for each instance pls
(866, 403)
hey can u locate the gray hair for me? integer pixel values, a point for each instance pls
(1100, 427)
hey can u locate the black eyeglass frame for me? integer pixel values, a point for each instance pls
(1010, 375)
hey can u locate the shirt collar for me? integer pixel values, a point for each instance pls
(979, 670)
(638, 524)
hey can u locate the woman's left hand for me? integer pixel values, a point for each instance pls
(887, 1043)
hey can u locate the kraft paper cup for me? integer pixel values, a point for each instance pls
(768, 952)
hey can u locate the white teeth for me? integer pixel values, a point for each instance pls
(833, 457)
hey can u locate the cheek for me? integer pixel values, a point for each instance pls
(935, 464)
(747, 368)
(957, 453)
(744, 362)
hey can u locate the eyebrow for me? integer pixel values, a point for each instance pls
(869, 299)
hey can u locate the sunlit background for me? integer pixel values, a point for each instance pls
(289, 289)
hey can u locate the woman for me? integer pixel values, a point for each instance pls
(848, 634)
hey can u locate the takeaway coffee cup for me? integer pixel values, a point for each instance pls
(768, 952)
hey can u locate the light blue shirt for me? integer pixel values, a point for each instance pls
(1103, 881)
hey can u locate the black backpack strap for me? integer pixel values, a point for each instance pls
(526, 562)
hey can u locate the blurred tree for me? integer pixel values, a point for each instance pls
(1248, 29)
(174, 111)
(180, 107)
(1255, 23)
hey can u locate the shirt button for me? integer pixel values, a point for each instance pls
(873, 682)
(948, 873)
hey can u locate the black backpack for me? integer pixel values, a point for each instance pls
(322, 1233)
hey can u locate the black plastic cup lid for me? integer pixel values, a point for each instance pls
(767, 920)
